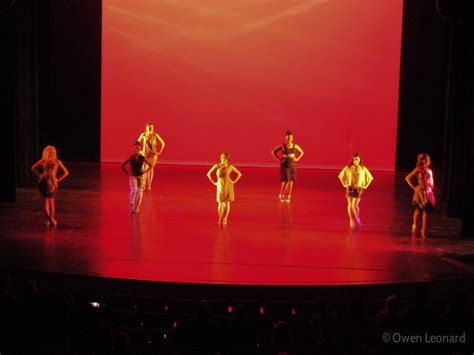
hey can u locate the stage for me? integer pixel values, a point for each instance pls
(175, 237)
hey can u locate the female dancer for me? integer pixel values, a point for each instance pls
(137, 176)
(423, 195)
(149, 140)
(47, 170)
(355, 177)
(287, 165)
(225, 186)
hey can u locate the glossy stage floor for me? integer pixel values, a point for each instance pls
(175, 237)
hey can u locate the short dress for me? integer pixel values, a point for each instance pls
(48, 184)
(423, 195)
(287, 165)
(151, 153)
(225, 187)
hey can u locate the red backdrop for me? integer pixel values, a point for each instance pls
(234, 75)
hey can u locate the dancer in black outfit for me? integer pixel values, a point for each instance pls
(290, 153)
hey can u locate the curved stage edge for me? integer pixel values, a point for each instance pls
(268, 247)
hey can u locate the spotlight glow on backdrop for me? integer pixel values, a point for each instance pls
(234, 75)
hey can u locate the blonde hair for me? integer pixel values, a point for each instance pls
(47, 152)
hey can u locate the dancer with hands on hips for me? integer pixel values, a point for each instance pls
(224, 185)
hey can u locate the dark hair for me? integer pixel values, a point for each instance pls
(226, 155)
(352, 159)
(421, 159)
(137, 143)
(288, 133)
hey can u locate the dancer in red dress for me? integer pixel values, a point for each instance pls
(423, 192)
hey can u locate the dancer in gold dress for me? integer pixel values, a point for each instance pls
(225, 186)
(150, 141)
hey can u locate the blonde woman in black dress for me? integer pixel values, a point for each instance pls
(225, 186)
(47, 169)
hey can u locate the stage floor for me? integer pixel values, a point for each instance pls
(175, 237)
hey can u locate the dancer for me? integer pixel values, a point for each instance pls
(423, 195)
(137, 176)
(287, 160)
(225, 186)
(47, 170)
(355, 177)
(149, 141)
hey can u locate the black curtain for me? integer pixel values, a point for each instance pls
(436, 105)
(21, 32)
(459, 113)
(425, 41)
(7, 100)
(51, 83)
(29, 55)
(459, 118)
(72, 82)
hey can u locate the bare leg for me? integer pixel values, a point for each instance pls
(226, 214)
(285, 191)
(349, 211)
(357, 211)
(149, 177)
(47, 211)
(52, 208)
(282, 191)
(423, 224)
(220, 212)
(138, 199)
(289, 190)
(416, 213)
